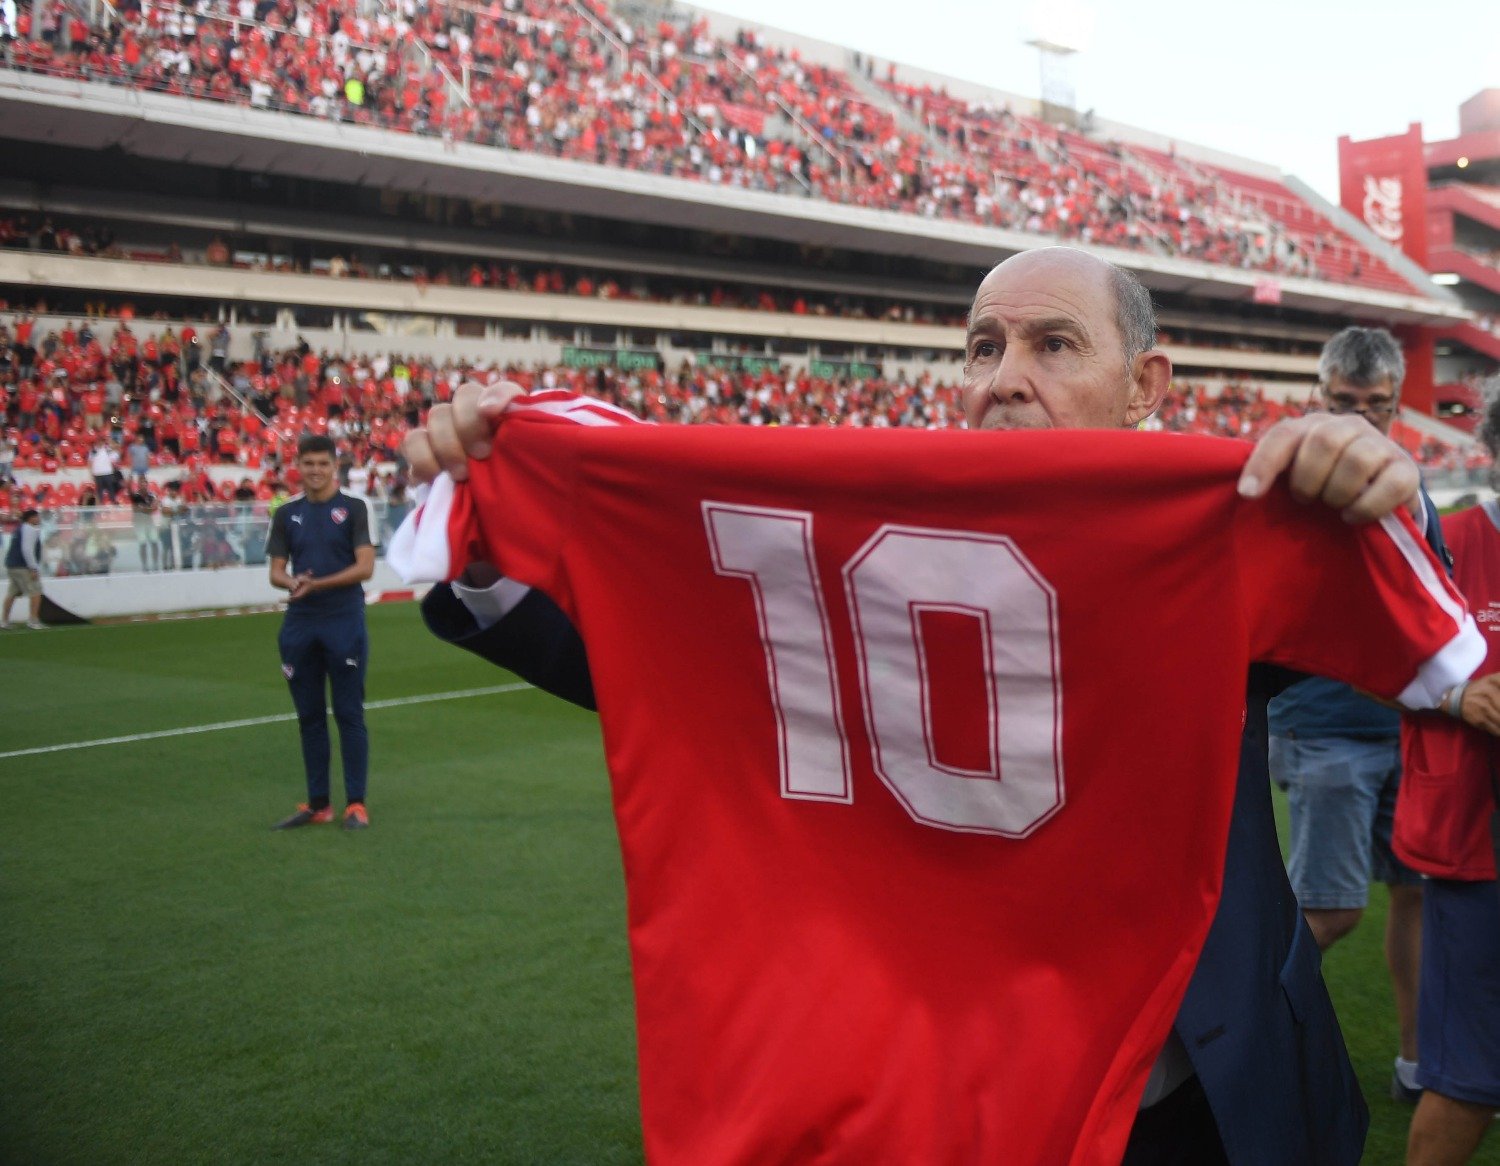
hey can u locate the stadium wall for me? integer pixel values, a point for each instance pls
(167, 592)
(131, 278)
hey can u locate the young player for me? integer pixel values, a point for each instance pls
(325, 534)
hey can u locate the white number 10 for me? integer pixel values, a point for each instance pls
(899, 575)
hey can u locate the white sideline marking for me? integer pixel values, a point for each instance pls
(396, 702)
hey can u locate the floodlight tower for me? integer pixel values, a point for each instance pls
(1059, 100)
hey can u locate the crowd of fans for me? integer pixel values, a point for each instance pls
(572, 80)
(1055, 182)
(130, 399)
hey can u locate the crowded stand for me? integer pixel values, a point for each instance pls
(572, 80)
(139, 409)
(1056, 182)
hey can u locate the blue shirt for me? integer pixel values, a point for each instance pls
(321, 537)
(23, 551)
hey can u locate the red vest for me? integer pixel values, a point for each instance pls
(1448, 769)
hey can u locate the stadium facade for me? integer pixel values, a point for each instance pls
(1440, 203)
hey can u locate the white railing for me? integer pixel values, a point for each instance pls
(114, 540)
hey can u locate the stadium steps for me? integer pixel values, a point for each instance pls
(877, 96)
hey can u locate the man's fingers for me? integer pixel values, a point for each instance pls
(416, 448)
(1341, 461)
(1354, 467)
(476, 414)
(1484, 715)
(447, 449)
(1394, 485)
(1318, 455)
(458, 431)
(1272, 454)
(470, 428)
(1481, 707)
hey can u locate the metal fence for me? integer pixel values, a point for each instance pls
(104, 540)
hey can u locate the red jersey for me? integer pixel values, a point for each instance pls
(923, 748)
(1448, 770)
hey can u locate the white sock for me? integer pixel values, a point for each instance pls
(1406, 1073)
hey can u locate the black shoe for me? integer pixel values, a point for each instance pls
(1405, 1094)
(305, 816)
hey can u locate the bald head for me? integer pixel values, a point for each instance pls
(1134, 315)
(1060, 338)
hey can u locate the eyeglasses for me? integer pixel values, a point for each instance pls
(1380, 407)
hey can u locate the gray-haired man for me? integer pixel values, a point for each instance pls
(1338, 754)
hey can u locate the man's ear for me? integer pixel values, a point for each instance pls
(1150, 378)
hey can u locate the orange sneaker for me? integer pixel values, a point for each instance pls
(355, 817)
(305, 816)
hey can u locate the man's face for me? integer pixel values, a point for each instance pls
(1375, 403)
(1044, 347)
(317, 471)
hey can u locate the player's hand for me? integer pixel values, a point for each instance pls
(1481, 704)
(1339, 459)
(458, 431)
(302, 585)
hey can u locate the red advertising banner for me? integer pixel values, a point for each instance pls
(1267, 291)
(1383, 183)
(744, 117)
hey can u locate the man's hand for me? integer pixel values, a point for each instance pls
(302, 585)
(458, 431)
(1341, 460)
(1481, 704)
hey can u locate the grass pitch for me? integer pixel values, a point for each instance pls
(178, 984)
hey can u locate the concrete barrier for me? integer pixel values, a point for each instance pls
(164, 592)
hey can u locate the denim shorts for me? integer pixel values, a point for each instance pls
(1458, 1010)
(1341, 793)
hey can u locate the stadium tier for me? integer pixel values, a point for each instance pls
(573, 80)
(166, 405)
(701, 221)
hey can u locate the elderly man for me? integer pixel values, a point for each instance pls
(1337, 753)
(1255, 1071)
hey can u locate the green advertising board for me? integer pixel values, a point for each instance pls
(624, 359)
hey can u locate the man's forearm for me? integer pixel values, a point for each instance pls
(279, 576)
(354, 573)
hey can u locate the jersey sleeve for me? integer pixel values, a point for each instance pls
(276, 541)
(359, 523)
(1369, 605)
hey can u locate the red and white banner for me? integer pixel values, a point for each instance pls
(1383, 183)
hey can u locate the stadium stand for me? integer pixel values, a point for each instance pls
(774, 332)
(124, 383)
(570, 79)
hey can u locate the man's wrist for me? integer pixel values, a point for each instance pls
(1453, 700)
